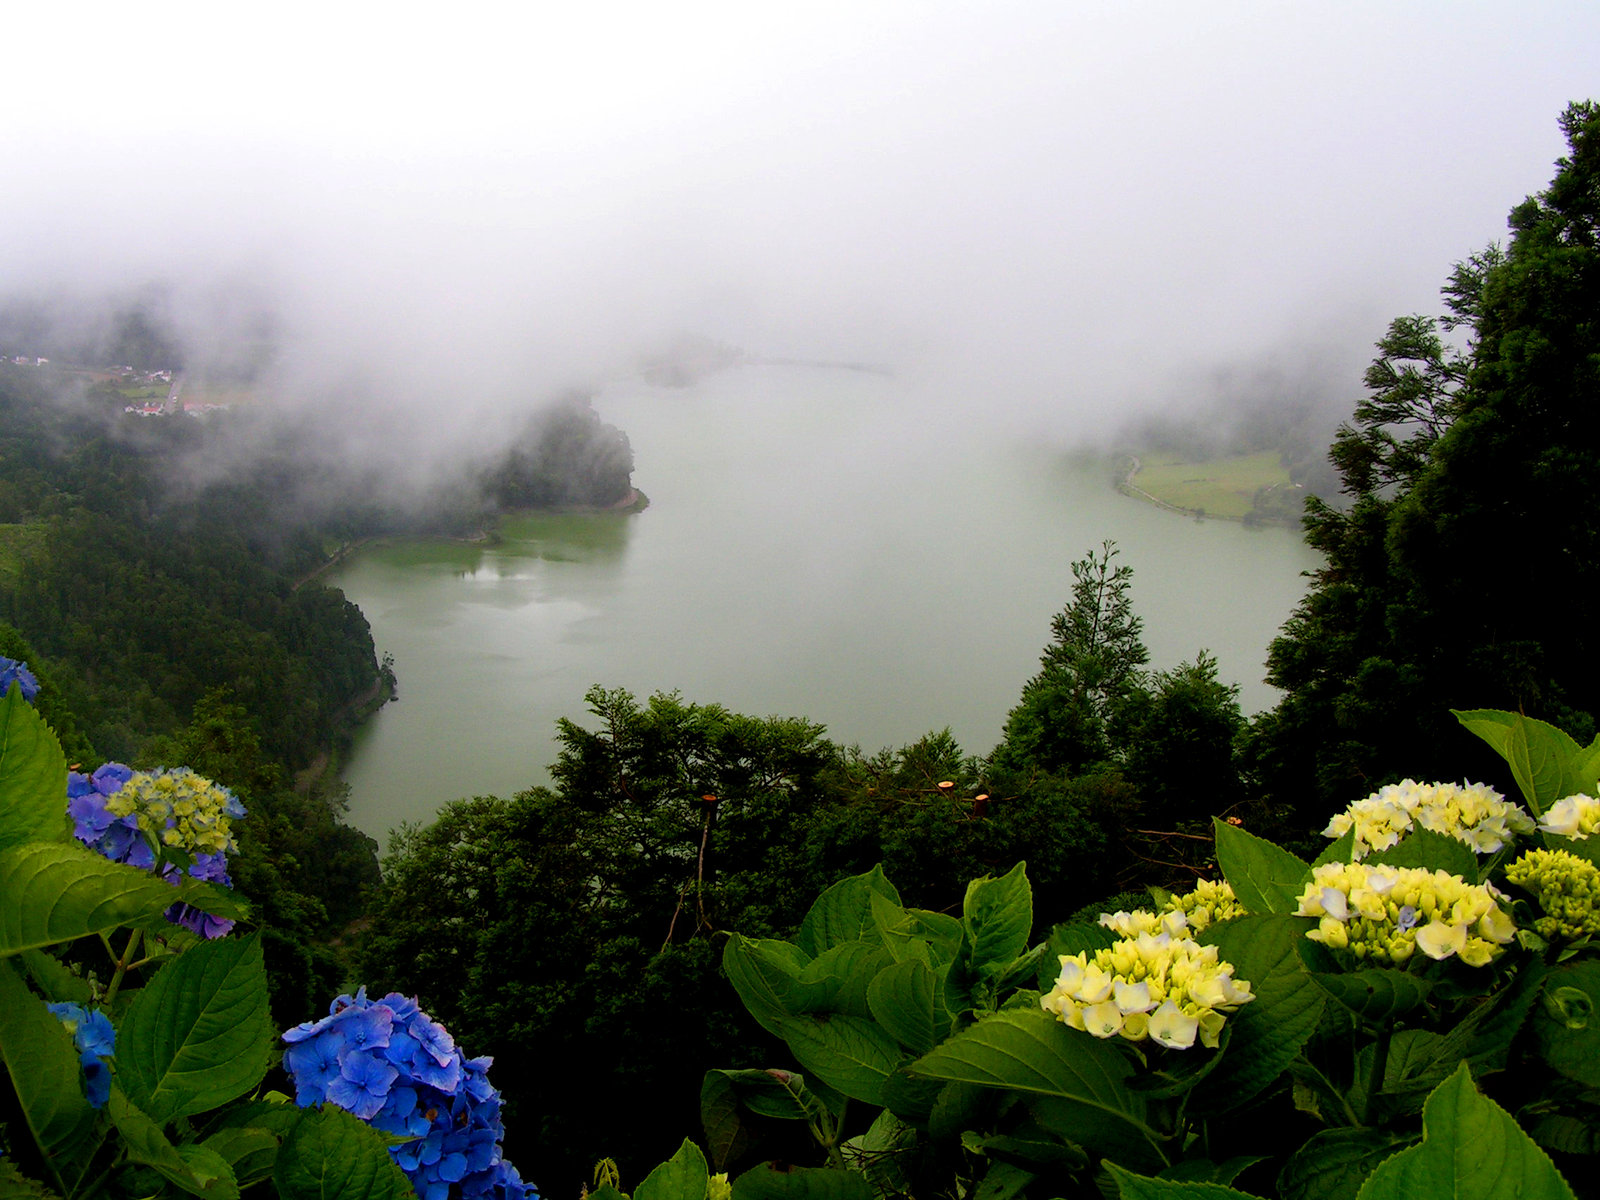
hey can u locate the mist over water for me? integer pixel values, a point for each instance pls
(819, 543)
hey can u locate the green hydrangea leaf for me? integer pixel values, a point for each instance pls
(766, 974)
(681, 1177)
(1340, 850)
(722, 1119)
(843, 913)
(196, 1170)
(46, 1079)
(1267, 1033)
(55, 892)
(904, 999)
(249, 1150)
(329, 1155)
(1143, 1187)
(850, 1054)
(33, 777)
(1033, 1053)
(1432, 852)
(1333, 1163)
(769, 1182)
(1265, 878)
(1471, 1149)
(997, 915)
(1546, 763)
(1567, 1040)
(837, 980)
(199, 1034)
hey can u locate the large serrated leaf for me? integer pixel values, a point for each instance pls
(843, 913)
(329, 1155)
(1471, 1149)
(47, 1080)
(766, 974)
(1546, 763)
(199, 1034)
(1265, 878)
(1268, 1032)
(1432, 852)
(33, 777)
(997, 915)
(769, 1181)
(904, 1000)
(1143, 1187)
(1572, 1049)
(850, 1054)
(1372, 994)
(838, 978)
(249, 1150)
(1340, 850)
(198, 1172)
(1031, 1052)
(1333, 1163)
(55, 892)
(721, 1118)
(681, 1177)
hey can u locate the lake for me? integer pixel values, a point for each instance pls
(819, 542)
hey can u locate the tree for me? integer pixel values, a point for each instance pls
(1460, 573)
(1071, 712)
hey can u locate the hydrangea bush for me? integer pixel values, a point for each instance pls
(1419, 997)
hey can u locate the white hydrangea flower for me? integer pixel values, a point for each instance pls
(1574, 816)
(1473, 813)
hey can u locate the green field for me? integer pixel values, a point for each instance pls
(1225, 487)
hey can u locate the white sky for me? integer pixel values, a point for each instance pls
(1058, 200)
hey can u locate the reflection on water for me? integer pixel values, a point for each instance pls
(821, 544)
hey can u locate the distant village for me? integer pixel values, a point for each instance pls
(131, 378)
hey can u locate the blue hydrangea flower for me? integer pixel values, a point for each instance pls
(398, 1069)
(95, 1041)
(12, 671)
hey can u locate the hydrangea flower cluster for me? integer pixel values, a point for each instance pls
(1473, 813)
(95, 1041)
(390, 1064)
(1387, 913)
(122, 813)
(1210, 903)
(1567, 888)
(1573, 816)
(1154, 983)
(12, 671)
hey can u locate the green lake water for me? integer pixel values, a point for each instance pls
(819, 543)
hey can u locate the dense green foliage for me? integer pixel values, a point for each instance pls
(1460, 569)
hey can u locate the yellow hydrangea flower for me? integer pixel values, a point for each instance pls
(1385, 914)
(1154, 983)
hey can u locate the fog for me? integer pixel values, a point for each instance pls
(1063, 217)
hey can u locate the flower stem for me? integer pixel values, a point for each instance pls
(122, 965)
